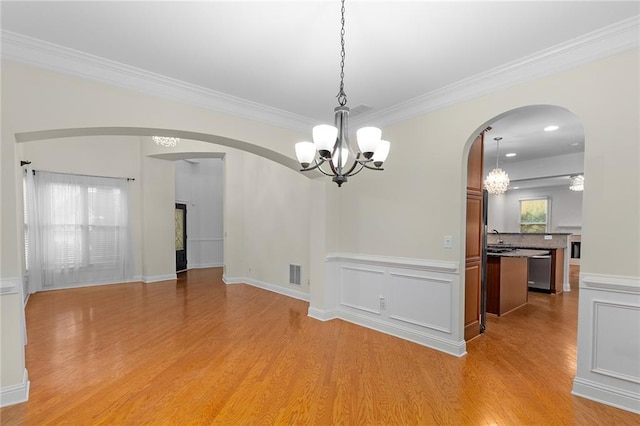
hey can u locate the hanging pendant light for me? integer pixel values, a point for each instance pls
(577, 183)
(165, 141)
(497, 181)
(331, 143)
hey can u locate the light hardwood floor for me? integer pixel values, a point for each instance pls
(198, 352)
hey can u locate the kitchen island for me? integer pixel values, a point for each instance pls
(507, 287)
(556, 243)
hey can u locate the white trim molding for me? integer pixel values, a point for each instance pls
(608, 370)
(15, 394)
(285, 291)
(590, 47)
(157, 278)
(608, 395)
(413, 299)
(206, 265)
(395, 262)
(610, 283)
(10, 285)
(321, 315)
(42, 54)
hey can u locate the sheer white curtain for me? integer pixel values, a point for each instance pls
(78, 230)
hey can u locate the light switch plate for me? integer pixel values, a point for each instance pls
(448, 241)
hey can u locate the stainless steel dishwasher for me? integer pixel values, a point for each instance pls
(539, 276)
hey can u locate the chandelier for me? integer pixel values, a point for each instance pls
(332, 142)
(576, 183)
(166, 141)
(497, 181)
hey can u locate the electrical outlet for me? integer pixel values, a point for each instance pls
(383, 303)
(548, 237)
(448, 241)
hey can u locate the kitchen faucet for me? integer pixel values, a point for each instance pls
(495, 231)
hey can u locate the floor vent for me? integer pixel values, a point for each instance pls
(294, 274)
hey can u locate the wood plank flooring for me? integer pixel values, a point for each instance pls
(195, 351)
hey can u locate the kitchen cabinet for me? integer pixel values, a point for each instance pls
(474, 240)
(506, 284)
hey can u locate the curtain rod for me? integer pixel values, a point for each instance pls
(78, 174)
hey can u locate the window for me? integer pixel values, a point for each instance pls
(534, 214)
(82, 226)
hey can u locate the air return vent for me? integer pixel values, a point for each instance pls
(294, 274)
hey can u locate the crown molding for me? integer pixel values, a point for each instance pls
(38, 53)
(599, 44)
(590, 47)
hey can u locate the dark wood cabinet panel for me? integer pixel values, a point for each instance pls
(506, 284)
(473, 248)
(475, 166)
(473, 278)
(474, 228)
(557, 270)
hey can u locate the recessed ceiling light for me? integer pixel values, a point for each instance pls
(511, 154)
(551, 128)
(516, 187)
(575, 144)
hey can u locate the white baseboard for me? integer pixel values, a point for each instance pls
(457, 349)
(606, 395)
(296, 294)
(233, 280)
(158, 278)
(207, 265)
(15, 394)
(321, 315)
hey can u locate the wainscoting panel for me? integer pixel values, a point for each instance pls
(613, 355)
(412, 299)
(361, 289)
(608, 369)
(420, 301)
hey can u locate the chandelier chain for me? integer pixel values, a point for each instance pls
(342, 96)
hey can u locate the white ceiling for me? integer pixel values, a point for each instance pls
(285, 54)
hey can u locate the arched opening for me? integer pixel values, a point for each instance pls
(541, 149)
(135, 162)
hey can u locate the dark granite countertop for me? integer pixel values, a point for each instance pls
(520, 253)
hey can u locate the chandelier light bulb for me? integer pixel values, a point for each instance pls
(381, 153)
(368, 140)
(305, 151)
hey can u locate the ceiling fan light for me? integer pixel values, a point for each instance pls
(368, 140)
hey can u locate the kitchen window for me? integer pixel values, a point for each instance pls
(534, 215)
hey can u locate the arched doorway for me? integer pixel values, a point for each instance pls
(541, 149)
